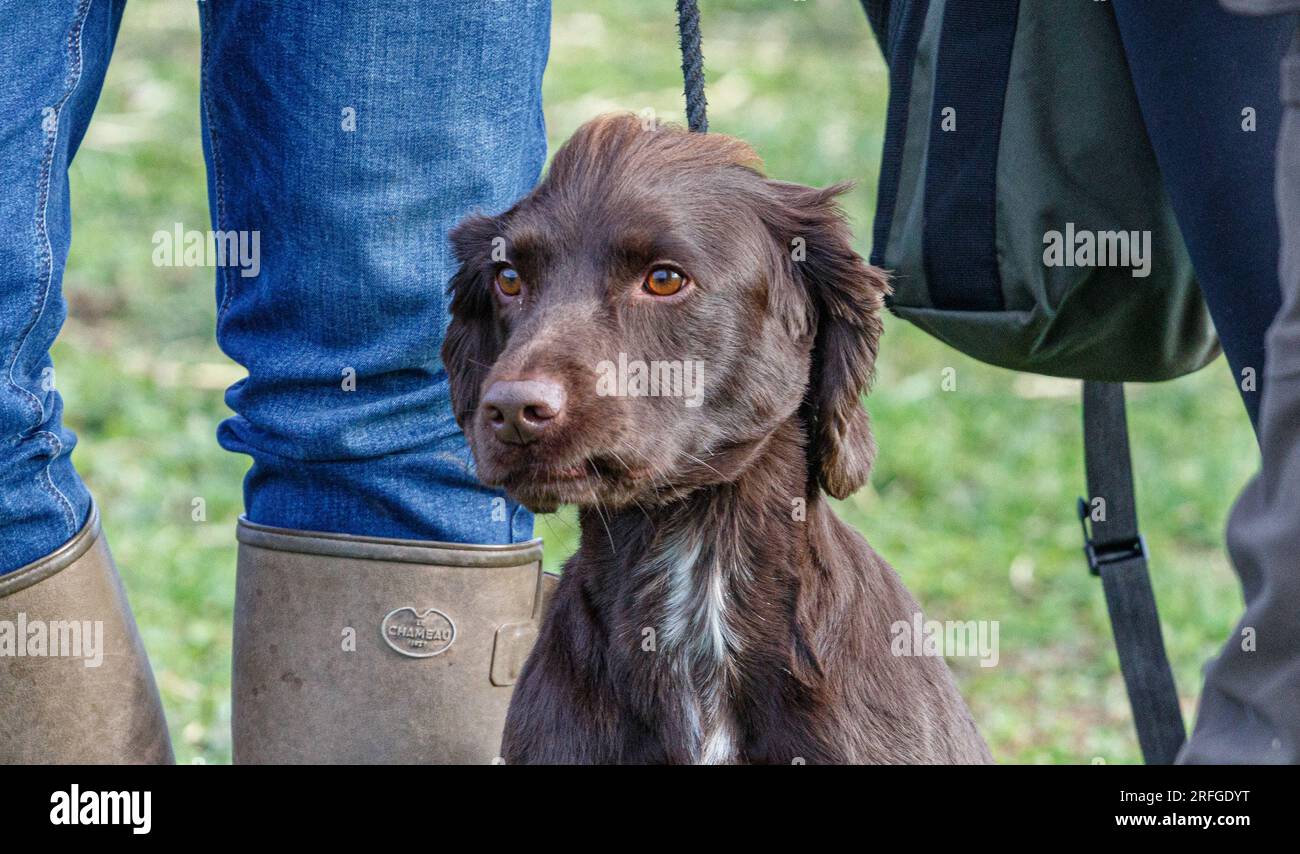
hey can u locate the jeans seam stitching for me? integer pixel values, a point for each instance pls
(218, 171)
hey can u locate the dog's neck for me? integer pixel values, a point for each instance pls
(704, 589)
(754, 519)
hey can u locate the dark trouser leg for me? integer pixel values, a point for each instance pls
(1250, 706)
(1196, 68)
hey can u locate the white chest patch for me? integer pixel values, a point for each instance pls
(690, 581)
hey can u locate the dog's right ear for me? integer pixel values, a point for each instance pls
(473, 340)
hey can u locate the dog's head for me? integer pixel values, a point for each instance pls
(641, 322)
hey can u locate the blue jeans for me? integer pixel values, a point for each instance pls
(343, 141)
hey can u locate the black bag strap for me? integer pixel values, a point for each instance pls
(1117, 553)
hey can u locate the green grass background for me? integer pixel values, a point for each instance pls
(972, 498)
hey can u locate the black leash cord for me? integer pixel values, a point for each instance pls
(688, 27)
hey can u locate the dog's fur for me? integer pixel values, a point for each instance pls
(716, 610)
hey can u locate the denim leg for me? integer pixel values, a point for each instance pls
(52, 63)
(1196, 68)
(351, 137)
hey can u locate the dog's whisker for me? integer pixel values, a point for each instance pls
(703, 463)
(645, 514)
(625, 466)
(628, 469)
(547, 519)
(596, 501)
(656, 481)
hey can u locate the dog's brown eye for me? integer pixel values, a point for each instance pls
(508, 281)
(664, 281)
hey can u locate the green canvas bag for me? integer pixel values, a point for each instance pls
(1020, 208)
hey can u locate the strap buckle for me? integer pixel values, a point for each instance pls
(1100, 554)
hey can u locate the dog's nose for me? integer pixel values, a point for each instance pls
(521, 410)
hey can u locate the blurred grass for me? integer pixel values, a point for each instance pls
(972, 498)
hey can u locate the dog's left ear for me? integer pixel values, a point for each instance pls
(473, 340)
(843, 297)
